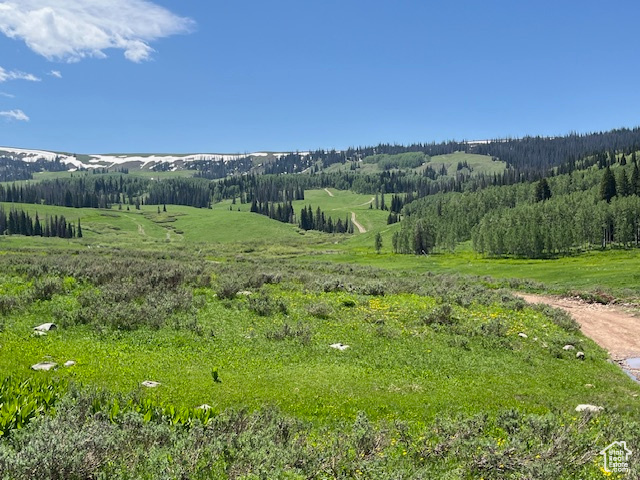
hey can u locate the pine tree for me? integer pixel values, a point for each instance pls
(543, 192)
(378, 242)
(37, 228)
(634, 185)
(608, 185)
(623, 186)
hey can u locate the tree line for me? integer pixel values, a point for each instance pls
(306, 220)
(84, 191)
(19, 222)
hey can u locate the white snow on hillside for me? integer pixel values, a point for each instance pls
(108, 161)
(30, 156)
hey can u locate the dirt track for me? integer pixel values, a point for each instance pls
(360, 228)
(613, 329)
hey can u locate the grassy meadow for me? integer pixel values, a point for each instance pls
(446, 374)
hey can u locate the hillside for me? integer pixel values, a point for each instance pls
(529, 156)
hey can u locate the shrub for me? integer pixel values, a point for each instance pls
(320, 310)
(8, 303)
(561, 318)
(441, 315)
(301, 332)
(377, 289)
(228, 288)
(496, 327)
(46, 287)
(264, 304)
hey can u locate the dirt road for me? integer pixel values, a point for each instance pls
(616, 331)
(329, 192)
(360, 228)
(367, 203)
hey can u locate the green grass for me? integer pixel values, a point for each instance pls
(478, 163)
(615, 271)
(396, 368)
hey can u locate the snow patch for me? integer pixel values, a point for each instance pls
(109, 161)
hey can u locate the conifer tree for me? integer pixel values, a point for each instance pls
(608, 185)
(543, 192)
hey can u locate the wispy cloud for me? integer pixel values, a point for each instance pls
(55, 73)
(75, 29)
(15, 75)
(18, 115)
(7, 95)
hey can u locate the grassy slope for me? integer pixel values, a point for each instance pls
(479, 164)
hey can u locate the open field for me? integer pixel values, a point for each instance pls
(237, 311)
(478, 163)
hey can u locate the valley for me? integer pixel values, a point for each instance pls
(202, 318)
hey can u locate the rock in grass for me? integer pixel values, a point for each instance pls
(568, 347)
(580, 355)
(44, 366)
(204, 406)
(588, 408)
(69, 363)
(523, 335)
(339, 346)
(45, 327)
(150, 384)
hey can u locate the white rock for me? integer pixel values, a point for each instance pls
(523, 335)
(44, 366)
(244, 293)
(588, 408)
(568, 347)
(204, 406)
(69, 363)
(45, 327)
(150, 384)
(339, 346)
(580, 355)
(589, 385)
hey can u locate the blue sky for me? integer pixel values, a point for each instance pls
(107, 76)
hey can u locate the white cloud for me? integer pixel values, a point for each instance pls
(7, 95)
(55, 73)
(75, 29)
(15, 115)
(15, 75)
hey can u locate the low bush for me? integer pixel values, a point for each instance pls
(9, 304)
(320, 310)
(264, 304)
(559, 317)
(94, 435)
(441, 315)
(300, 332)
